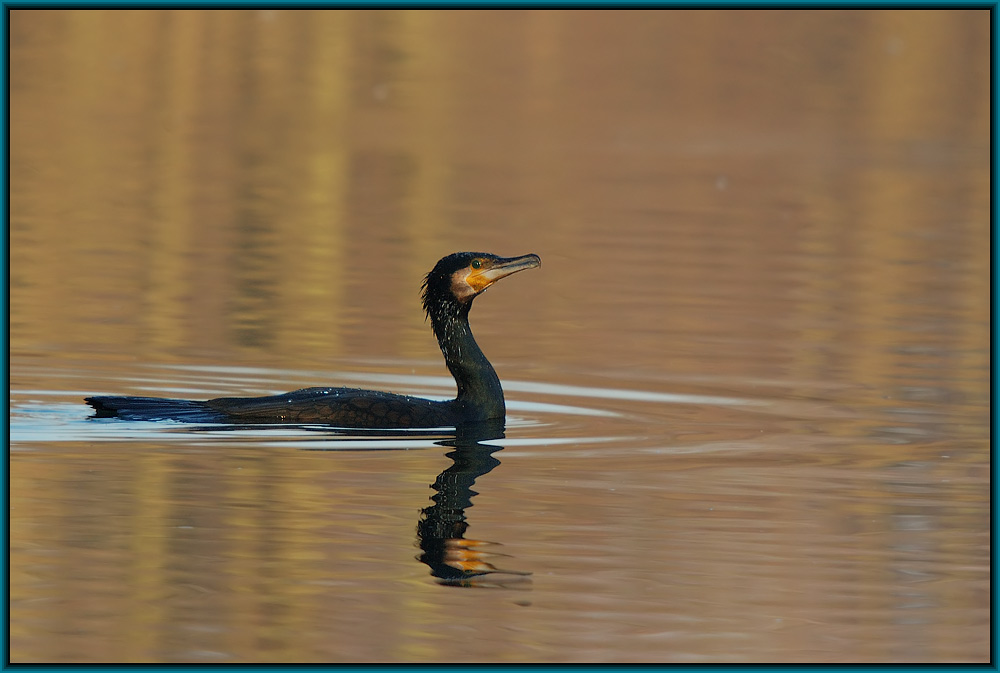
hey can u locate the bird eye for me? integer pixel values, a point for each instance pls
(477, 264)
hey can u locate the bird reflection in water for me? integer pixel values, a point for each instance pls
(453, 559)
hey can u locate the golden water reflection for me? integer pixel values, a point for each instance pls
(276, 183)
(749, 391)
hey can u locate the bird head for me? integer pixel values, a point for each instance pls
(462, 276)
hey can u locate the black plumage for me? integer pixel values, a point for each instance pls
(448, 292)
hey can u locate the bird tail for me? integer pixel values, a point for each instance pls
(153, 409)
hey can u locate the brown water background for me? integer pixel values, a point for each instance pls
(748, 389)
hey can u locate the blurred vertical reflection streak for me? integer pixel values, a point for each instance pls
(326, 152)
(262, 179)
(424, 55)
(174, 118)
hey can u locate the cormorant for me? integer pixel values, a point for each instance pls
(448, 292)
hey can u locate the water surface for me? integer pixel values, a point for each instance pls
(748, 390)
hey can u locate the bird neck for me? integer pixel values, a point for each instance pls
(480, 396)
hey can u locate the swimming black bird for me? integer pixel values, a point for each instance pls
(448, 292)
